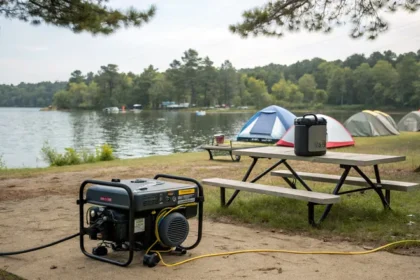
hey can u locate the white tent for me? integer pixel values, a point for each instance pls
(410, 122)
(337, 135)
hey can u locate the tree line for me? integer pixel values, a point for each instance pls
(380, 79)
(29, 95)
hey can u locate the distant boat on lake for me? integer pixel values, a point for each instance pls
(111, 110)
(137, 108)
(200, 113)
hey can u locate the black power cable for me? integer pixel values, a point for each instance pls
(40, 247)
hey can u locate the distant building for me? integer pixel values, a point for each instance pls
(173, 105)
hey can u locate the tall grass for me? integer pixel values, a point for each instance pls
(72, 157)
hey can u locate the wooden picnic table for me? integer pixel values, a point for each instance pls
(346, 161)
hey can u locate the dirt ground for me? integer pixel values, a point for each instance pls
(29, 217)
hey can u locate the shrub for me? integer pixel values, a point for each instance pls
(72, 157)
(105, 153)
(88, 157)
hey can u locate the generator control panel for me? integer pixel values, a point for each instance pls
(148, 194)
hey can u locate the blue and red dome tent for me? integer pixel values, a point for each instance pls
(267, 125)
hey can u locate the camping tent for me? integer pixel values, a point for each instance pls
(388, 117)
(268, 125)
(337, 135)
(369, 123)
(410, 122)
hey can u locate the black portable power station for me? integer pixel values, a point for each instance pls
(139, 215)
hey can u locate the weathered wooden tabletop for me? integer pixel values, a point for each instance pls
(330, 157)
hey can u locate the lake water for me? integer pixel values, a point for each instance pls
(23, 132)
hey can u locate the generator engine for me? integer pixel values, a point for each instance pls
(141, 214)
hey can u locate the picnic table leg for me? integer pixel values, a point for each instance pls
(311, 214)
(248, 172)
(236, 158)
(223, 197)
(372, 185)
(336, 191)
(266, 171)
(210, 154)
(297, 177)
(378, 180)
(290, 183)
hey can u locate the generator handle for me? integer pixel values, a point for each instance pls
(311, 114)
(200, 204)
(82, 201)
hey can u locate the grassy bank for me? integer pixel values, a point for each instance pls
(358, 217)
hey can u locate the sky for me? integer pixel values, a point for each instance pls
(47, 53)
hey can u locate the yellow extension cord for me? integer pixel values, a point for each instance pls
(164, 212)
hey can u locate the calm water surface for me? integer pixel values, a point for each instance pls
(23, 131)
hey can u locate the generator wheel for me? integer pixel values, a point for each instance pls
(100, 251)
(151, 260)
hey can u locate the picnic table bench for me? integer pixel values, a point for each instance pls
(224, 148)
(313, 198)
(352, 181)
(346, 161)
(229, 148)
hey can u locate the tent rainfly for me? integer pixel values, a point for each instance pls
(267, 125)
(410, 122)
(337, 135)
(369, 123)
(388, 117)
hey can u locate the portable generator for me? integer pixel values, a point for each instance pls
(139, 215)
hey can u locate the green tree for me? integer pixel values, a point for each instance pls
(363, 84)
(281, 90)
(208, 82)
(374, 58)
(228, 83)
(276, 17)
(159, 91)
(336, 87)
(258, 92)
(62, 99)
(408, 71)
(323, 73)
(390, 56)
(385, 78)
(89, 77)
(76, 77)
(176, 76)
(307, 86)
(415, 98)
(350, 93)
(92, 16)
(108, 79)
(295, 95)
(192, 67)
(321, 96)
(140, 86)
(354, 61)
(243, 97)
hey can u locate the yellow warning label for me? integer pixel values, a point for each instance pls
(187, 191)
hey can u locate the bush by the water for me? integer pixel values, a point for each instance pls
(72, 157)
